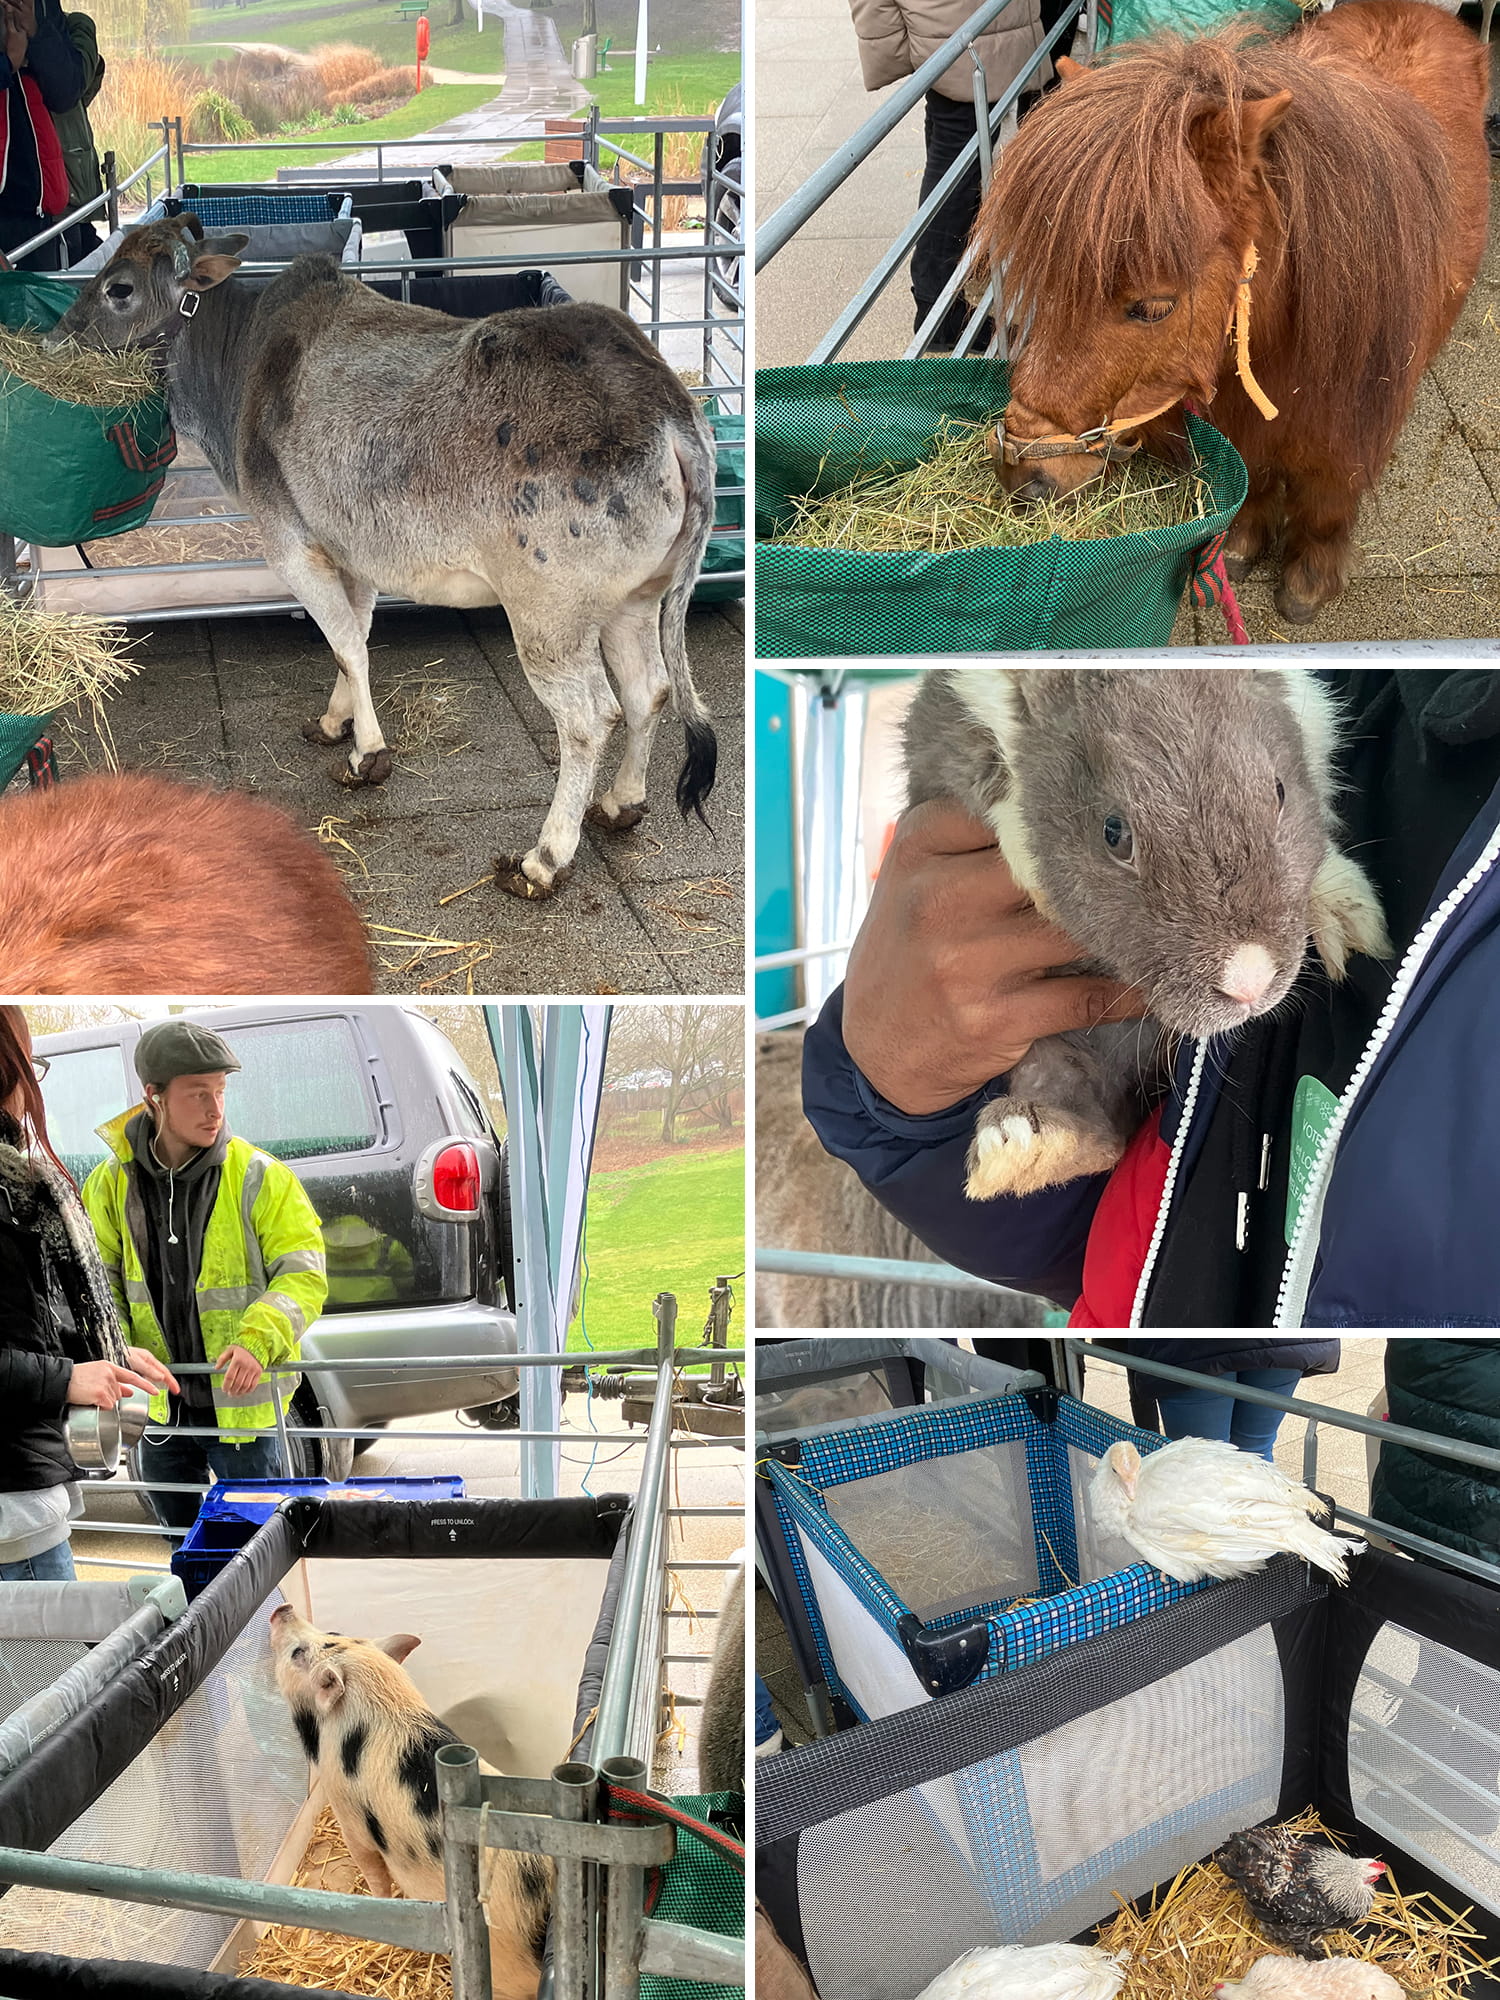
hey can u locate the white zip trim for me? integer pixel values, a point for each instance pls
(1179, 1146)
(1296, 1276)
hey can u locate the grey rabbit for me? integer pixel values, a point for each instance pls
(1179, 823)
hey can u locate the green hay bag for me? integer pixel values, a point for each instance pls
(19, 735)
(726, 545)
(1129, 20)
(818, 428)
(67, 473)
(699, 1886)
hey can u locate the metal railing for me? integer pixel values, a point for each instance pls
(601, 1868)
(995, 123)
(1385, 1432)
(193, 497)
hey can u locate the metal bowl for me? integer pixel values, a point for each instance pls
(96, 1437)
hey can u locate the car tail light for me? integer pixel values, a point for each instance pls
(455, 1179)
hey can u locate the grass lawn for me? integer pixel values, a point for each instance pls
(377, 27)
(673, 1225)
(259, 163)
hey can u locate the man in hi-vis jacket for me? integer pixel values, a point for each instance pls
(214, 1253)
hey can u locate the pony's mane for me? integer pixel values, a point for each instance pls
(1100, 193)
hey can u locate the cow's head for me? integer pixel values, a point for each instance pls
(153, 275)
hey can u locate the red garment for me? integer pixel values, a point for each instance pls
(49, 150)
(1122, 1229)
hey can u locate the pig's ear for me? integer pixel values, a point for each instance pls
(328, 1684)
(400, 1646)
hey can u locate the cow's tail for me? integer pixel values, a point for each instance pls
(695, 457)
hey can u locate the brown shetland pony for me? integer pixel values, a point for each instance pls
(1351, 154)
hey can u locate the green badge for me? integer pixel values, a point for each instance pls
(1312, 1108)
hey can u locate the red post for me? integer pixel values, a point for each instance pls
(424, 43)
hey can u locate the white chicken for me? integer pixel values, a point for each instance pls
(1324, 1979)
(1029, 1972)
(1200, 1508)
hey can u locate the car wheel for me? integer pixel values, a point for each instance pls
(362, 1445)
(322, 1457)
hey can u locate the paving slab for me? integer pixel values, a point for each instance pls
(657, 910)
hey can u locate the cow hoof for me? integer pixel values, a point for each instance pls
(314, 732)
(616, 822)
(513, 879)
(372, 769)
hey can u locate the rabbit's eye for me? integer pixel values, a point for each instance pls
(1119, 839)
(1280, 795)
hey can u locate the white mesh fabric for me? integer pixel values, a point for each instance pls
(792, 1407)
(214, 1793)
(1033, 1845)
(869, 1662)
(1099, 1554)
(1424, 1758)
(946, 1533)
(1164, 1750)
(29, 1665)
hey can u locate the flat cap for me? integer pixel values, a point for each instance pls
(181, 1048)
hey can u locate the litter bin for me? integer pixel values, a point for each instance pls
(586, 57)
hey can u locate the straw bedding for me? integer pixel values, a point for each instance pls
(319, 1959)
(50, 658)
(951, 500)
(1199, 1931)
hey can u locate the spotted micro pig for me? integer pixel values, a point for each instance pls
(371, 1739)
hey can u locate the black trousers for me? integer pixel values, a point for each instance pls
(950, 125)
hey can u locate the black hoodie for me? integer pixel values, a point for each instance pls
(176, 1204)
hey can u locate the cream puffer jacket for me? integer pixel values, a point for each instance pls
(897, 36)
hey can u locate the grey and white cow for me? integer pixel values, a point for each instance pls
(546, 460)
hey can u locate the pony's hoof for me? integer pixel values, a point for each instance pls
(314, 732)
(511, 876)
(372, 769)
(1297, 610)
(1237, 568)
(616, 822)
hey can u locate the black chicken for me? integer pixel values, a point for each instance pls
(1298, 1888)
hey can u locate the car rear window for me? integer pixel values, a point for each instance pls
(84, 1087)
(302, 1090)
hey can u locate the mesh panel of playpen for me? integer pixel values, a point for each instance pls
(866, 1662)
(29, 1665)
(1099, 1554)
(1424, 1758)
(214, 1793)
(1033, 1845)
(792, 1406)
(945, 1533)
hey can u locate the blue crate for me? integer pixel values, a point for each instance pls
(246, 211)
(988, 1489)
(233, 1509)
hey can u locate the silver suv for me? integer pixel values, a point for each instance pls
(372, 1108)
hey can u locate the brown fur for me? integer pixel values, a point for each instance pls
(721, 1738)
(779, 1973)
(356, 1706)
(1351, 153)
(137, 884)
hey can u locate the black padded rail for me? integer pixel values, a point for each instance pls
(591, 1681)
(485, 1530)
(37, 1975)
(879, 1759)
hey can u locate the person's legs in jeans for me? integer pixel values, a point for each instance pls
(258, 1456)
(935, 256)
(54, 1565)
(167, 1455)
(1193, 1413)
(1254, 1427)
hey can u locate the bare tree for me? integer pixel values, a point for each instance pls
(697, 1051)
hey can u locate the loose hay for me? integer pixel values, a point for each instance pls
(49, 659)
(1200, 1931)
(320, 1960)
(75, 374)
(951, 500)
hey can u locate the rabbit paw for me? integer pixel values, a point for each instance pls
(1346, 915)
(1020, 1148)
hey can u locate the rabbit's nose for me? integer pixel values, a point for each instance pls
(1247, 974)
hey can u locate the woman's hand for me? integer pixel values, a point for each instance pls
(102, 1384)
(146, 1363)
(17, 35)
(946, 987)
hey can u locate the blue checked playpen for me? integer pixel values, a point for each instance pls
(956, 1543)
